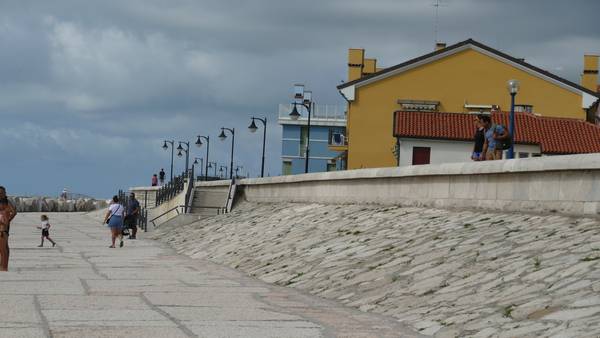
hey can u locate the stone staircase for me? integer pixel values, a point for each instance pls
(209, 200)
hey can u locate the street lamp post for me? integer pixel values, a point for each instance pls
(237, 168)
(222, 137)
(165, 147)
(187, 153)
(221, 170)
(212, 165)
(201, 163)
(513, 88)
(253, 129)
(199, 144)
(295, 115)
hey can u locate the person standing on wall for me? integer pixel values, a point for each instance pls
(495, 136)
(131, 216)
(7, 214)
(161, 176)
(479, 140)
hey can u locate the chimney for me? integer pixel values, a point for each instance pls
(370, 66)
(440, 45)
(356, 62)
(589, 78)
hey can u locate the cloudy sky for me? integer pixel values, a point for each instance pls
(89, 89)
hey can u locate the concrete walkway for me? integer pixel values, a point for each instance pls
(82, 288)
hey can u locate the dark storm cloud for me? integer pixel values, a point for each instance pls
(91, 88)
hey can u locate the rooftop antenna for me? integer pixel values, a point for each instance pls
(437, 5)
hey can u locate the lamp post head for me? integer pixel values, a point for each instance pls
(210, 164)
(295, 115)
(222, 136)
(195, 161)
(199, 142)
(513, 86)
(165, 146)
(179, 154)
(252, 127)
(180, 148)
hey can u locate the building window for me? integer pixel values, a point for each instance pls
(523, 108)
(287, 168)
(421, 155)
(418, 105)
(536, 155)
(337, 137)
(331, 165)
(523, 155)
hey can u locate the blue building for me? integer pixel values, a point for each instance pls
(328, 142)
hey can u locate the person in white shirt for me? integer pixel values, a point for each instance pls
(45, 231)
(114, 220)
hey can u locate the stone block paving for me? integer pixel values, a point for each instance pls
(444, 273)
(82, 288)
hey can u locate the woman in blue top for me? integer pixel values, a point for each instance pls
(114, 219)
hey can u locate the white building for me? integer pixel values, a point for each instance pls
(434, 137)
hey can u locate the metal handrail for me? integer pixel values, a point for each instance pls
(171, 189)
(230, 195)
(166, 212)
(189, 195)
(220, 210)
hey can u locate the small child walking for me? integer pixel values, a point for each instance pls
(45, 231)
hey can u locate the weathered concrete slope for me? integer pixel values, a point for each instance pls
(443, 272)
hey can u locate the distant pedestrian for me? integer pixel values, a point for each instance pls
(131, 216)
(45, 227)
(7, 214)
(64, 194)
(114, 220)
(161, 176)
(495, 137)
(479, 140)
(154, 180)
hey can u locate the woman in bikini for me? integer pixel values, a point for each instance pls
(7, 213)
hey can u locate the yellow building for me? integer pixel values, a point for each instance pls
(467, 76)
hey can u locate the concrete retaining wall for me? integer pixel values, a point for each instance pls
(145, 195)
(563, 184)
(147, 198)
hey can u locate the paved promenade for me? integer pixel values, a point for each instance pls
(82, 288)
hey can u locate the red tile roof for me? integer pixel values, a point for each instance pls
(553, 135)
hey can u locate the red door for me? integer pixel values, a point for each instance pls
(421, 155)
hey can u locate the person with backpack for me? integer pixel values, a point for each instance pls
(131, 215)
(497, 139)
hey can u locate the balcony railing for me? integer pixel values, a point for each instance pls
(329, 112)
(337, 138)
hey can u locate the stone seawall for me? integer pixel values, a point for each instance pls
(445, 273)
(566, 185)
(46, 204)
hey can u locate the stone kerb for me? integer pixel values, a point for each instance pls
(562, 184)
